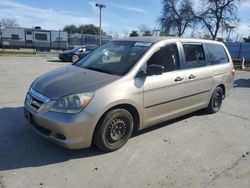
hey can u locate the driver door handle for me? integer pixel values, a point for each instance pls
(178, 79)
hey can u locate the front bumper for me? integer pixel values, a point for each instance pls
(72, 131)
(64, 57)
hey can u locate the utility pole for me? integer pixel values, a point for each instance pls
(59, 41)
(100, 6)
(1, 38)
(230, 28)
(33, 39)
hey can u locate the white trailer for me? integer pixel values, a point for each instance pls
(38, 39)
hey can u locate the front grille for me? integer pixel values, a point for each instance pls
(35, 100)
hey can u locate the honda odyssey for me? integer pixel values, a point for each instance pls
(127, 85)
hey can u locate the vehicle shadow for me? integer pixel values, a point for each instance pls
(57, 61)
(169, 122)
(242, 83)
(21, 147)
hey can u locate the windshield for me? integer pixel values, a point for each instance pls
(76, 49)
(116, 57)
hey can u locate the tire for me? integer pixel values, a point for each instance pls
(74, 58)
(114, 130)
(215, 101)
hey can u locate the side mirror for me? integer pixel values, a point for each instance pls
(141, 74)
(155, 69)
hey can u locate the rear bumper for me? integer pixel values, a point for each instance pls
(72, 131)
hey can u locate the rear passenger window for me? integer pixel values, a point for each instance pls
(194, 55)
(217, 54)
(166, 56)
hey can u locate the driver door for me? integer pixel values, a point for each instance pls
(164, 94)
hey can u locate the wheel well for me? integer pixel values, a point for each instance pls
(223, 88)
(133, 112)
(127, 107)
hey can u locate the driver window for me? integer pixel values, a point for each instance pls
(167, 56)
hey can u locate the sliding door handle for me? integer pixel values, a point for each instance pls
(178, 79)
(191, 76)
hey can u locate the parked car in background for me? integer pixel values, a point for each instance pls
(76, 53)
(127, 85)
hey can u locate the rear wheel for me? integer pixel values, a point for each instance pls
(75, 58)
(215, 101)
(114, 130)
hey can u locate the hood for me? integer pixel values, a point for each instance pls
(67, 51)
(71, 80)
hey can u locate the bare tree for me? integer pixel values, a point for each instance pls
(239, 37)
(177, 16)
(206, 36)
(8, 22)
(125, 33)
(217, 14)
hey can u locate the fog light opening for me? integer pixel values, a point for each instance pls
(60, 136)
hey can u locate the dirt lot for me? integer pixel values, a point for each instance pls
(198, 150)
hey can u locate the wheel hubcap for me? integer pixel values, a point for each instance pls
(217, 99)
(75, 58)
(116, 131)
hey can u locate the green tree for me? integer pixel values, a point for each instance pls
(134, 33)
(147, 33)
(246, 39)
(89, 29)
(145, 30)
(71, 29)
(83, 29)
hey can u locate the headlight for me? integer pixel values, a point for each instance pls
(73, 103)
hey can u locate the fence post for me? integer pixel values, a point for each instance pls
(239, 52)
(243, 63)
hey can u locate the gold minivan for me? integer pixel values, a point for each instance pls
(127, 85)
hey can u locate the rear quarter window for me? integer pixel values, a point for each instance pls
(216, 54)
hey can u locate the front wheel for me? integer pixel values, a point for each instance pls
(114, 130)
(215, 101)
(75, 58)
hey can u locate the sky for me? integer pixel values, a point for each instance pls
(119, 17)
